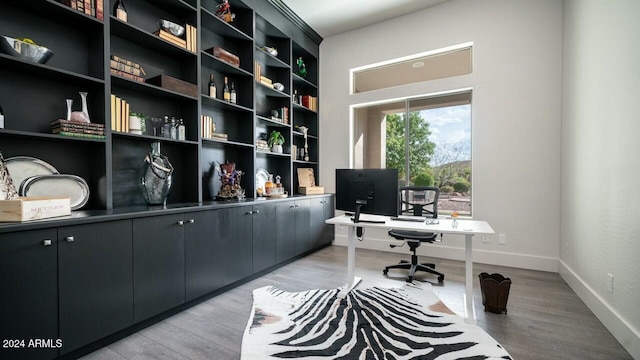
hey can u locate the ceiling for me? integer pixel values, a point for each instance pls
(331, 17)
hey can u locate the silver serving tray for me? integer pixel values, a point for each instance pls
(262, 176)
(58, 185)
(23, 167)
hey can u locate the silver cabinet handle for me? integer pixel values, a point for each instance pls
(46, 242)
(191, 221)
(292, 206)
(249, 213)
(297, 205)
(180, 222)
(256, 211)
(70, 239)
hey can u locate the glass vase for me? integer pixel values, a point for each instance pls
(155, 180)
(85, 108)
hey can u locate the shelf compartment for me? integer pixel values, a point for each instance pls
(271, 122)
(8, 62)
(267, 59)
(62, 13)
(301, 83)
(214, 63)
(242, 26)
(152, 138)
(267, 91)
(310, 61)
(153, 90)
(128, 158)
(146, 39)
(84, 158)
(218, 153)
(221, 104)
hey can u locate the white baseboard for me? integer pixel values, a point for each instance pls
(624, 332)
(457, 253)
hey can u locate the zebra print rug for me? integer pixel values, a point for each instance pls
(376, 323)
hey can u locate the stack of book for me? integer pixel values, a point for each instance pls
(310, 102)
(207, 125)
(175, 40)
(261, 78)
(262, 145)
(192, 43)
(77, 129)
(119, 114)
(284, 114)
(93, 8)
(126, 69)
(219, 136)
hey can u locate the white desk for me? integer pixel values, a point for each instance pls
(468, 228)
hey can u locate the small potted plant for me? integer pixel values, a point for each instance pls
(137, 123)
(275, 141)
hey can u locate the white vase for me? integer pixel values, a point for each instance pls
(135, 125)
(277, 149)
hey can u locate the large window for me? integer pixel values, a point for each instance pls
(428, 140)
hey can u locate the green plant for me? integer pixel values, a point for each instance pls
(461, 185)
(140, 115)
(446, 189)
(423, 179)
(275, 138)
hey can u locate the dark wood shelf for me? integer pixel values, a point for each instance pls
(146, 39)
(214, 63)
(152, 138)
(298, 133)
(305, 162)
(268, 91)
(54, 137)
(223, 105)
(270, 153)
(62, 13)
(148, 89)
(272, 122)
(217, 142)
(213, 23)
(300, 107)
(300, 81)
(267, 59)
(8, 62)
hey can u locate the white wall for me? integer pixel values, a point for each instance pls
(600, 200)
(515, 115)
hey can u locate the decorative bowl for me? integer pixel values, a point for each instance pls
(25, 50)
(175, 29)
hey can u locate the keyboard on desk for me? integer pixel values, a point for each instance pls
(408, 218)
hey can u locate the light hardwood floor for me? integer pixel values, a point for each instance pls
(546, 319)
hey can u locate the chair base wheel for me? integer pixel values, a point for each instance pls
(409, 279)
(441, 278)
(385, 272)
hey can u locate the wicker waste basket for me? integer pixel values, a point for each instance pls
(495, 292)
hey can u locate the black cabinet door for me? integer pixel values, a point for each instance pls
(285, 231)
(238, 244)
(95, 274)
(29, 297)
(302, 228)
(317, 222)
(158, 265)
(264, 236)
(204, 252)
(329, 212)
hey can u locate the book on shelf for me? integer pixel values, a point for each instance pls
(87, 7)
(90, 136)
(265, 80)
(100, 10)
(76, 124)
(219, 136)
(191, 36)
(126, 68)
(310, 102)
(257, 70)
(59, 129)
(127, 75)
(165, 35)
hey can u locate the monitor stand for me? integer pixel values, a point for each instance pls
(356, 218)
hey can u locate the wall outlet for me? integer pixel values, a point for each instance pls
(610, 283)
(502, 239)
(485, 239)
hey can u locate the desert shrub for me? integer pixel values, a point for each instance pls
(446, 189)
(461, 186)
(423, 179)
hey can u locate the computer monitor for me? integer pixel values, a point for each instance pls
(370, 191)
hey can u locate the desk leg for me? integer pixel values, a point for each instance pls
(352, 281)
(469, 309)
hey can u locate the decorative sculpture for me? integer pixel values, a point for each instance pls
(224, 11)
(155, 181)
(302, 68)
(230, 178)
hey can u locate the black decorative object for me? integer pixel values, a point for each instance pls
(155, 181)
(495, 292)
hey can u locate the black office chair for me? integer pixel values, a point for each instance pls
(416, 201)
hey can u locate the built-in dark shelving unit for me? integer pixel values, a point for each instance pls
(32, 95)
